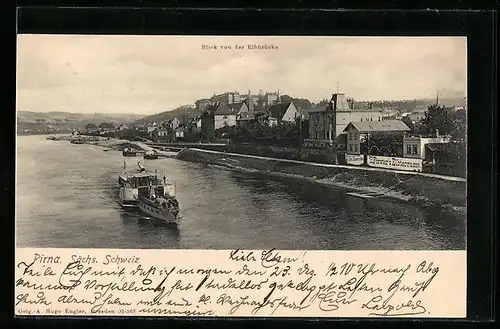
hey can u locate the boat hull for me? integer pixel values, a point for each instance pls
(164, 215)
(131, 154)
(128, 203)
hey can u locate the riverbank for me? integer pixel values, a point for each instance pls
(421, 190)
(112, 144)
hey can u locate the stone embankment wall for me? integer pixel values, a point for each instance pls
(419, 189)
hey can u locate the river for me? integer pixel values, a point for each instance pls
(66, 197)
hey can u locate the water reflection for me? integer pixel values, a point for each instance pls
(373, 223)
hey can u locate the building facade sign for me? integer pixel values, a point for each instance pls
(407, 164)
(354, 159)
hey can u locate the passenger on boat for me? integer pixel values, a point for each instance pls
(152, 194)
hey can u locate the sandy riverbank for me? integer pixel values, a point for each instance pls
(426, 192)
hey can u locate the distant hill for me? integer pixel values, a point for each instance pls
(414, 104)
(179, 113)
(64, 122)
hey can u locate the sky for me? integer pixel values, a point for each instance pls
(151, 74)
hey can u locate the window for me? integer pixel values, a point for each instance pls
(355, 147)
(408, 149)
(415, 149)
(350, 136)
(371, 119)
(326, 135)
(350, 147)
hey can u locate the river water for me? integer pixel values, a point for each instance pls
(66, 197)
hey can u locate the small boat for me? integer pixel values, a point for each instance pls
(365, 195)
(130, 153)
(151, 155)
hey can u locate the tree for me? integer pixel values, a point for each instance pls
(286, 98)
(459, 133)
(90, 126)
(299, 102)
(323, 102)
(106, 125)
(436, 118)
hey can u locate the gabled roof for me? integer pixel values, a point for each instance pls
(169, 121)
(373, 126)
(278, 110)
(236, 107)
(223, 109)
(193, 120)
(210, 109)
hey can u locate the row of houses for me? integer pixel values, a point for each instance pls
(104, 128)
(338, 122)
(347, 129)
(217, 115)
(232, 109)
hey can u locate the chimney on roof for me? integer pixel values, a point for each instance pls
(437, 132)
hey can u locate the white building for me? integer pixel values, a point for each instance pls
(224, 116)
(414, 147)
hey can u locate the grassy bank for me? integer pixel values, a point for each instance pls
(427, 192)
